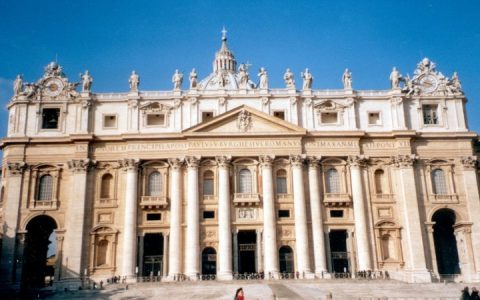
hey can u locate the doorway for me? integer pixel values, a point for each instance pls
(445, 242)
(209, 261)
(338, 251)
(286, 259)
(247, 246)
(152, 254)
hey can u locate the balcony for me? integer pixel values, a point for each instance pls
(106, 202)
(246, 199)
(210, 198)
(284, 197)
(153, 202)
(45, 204)
(337, 199)
(444, 198)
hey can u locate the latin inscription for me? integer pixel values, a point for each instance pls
(333, 144)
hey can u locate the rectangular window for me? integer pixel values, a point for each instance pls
(207, 115)
(154, 217)
(374, 118)
(50, 118)
(281, 185)
(156, 120)
(336, 213)
(209, 214)
(279, 114)
(208, 186)
(329, 118)
(109, 121)
(430, 114)
(284, 213)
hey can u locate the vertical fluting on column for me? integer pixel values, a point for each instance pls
(317, 218)
(224, 219)
(165, 254)
(271, 261)
(301, 231)
(359, 214)
(193, 220)
(175, 251)
(130, 218)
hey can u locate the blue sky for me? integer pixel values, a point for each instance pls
(112, 38)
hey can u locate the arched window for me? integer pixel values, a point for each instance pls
(439, 182)
(245, 181)
(380, 182)
(155, 184)
(208, 183)
(106, 187)
(332, 181)
(281, 182)
(45, 188)
(102, 250)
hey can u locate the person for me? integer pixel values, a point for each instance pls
(465, 294)
(134, 81)
(395, 78)
(239, 294)
(307, 79)
(18, 85)
(242, 72)
(263, 84)
(288, 77)
(474, 295)
(347, 79)
(177, 80)
(193, 79)
(86, 81)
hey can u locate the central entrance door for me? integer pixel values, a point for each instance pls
(338, 251)
(152, 254)
(247, 246)
(209, 261)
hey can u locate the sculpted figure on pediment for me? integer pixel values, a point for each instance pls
(347, 79)
(289, 79)
(18, 85)
(134, 81)
(193, 78)
(177, 80)
(86, 81)
(307, 79)
(395, 78)
(262, 74)
(243, 74)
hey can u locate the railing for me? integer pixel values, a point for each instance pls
(45, 204)
(370, 275)
(284, 197)
(153, 201)
(287, 276)
(337, 199)
(209, 198)
(106, 202)
(149, 278)
(444, 198)
(248, 276)
(246, 199)
(208, 277)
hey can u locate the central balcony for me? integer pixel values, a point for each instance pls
(153, 202)
(45, 204)
(337, 199)
(246, 199)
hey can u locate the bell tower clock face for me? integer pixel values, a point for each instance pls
(428, 83)
(53, 87)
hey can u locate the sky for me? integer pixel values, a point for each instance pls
(112, 38)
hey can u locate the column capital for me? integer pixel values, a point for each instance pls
(16, 168)
(357, 160)
(129, 164)
(313, 161)
(469, 162)
(266, 161)
(176, 163)
(404, 161)
(193, 161)
(80, 165)
(223, 161)
(297, 160)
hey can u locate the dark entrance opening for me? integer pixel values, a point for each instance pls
(445, 243)
(247, 245)
(209, 261)
(152, 254)
(40, 252)
(338, 251)
(286, 259)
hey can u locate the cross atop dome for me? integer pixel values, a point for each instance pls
(224, 34)
(224, 58)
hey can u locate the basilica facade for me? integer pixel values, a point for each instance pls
(229, 176)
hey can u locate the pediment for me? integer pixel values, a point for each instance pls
(329, 105)
(245, 120)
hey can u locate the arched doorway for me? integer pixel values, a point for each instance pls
(286, 259)
(209, 261)
(445, 242)
(40, 252)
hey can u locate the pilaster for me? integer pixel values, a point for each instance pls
(192, 264)
(175, 251)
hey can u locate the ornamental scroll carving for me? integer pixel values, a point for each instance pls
(16, 168)
(192, 161)
(297, 160)
(357, 160)
(313, 161)
(402, 161)
(244, 121)
(175, 163)
(129, 164)
(469, 162)
(266, 160)
(80, 165)
(223, 161)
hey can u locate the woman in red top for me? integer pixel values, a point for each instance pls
(239, 295)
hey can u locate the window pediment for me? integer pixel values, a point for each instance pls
(155, 107)
(329, 106)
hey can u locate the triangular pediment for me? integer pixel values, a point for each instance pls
(244, 120)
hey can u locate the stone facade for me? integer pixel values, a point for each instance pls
(228, 177)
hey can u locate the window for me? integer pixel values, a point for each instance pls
(329, 117)
(439, 182)
(374, 118)
(154, 217)
(50, 118)
(380, 182)
(209, 214)
(156, 120)
(281, 182)
(430, 114)
(206, 116)
(284, 213)
(279, 114)
(155, 184)
(332, 181)
(336, 213)
(208, 183)
(45, 187)
(102, 248)
(245, 181)
(110, 121)
(106, 186)
(388, 247)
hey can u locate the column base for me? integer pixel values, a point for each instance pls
(224, 276)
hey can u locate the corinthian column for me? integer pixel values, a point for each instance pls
(130, 218)
(317, 218)
(301, 231)
(269, 223)
(193, 220)
(175, 251)
(359, 214)
(224, 219)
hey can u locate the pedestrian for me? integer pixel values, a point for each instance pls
(239, 294)
(474, 295)
(465, 294)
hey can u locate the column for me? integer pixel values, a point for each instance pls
(301, 231)
(415, 256)
(224, 220)
(359, 214)
(235, 251)
(470, 182)
(259, 251)
(129, 256)
(271, 262)
(58, 263)
(317, 218)
(165, 254)
(175, 251)
(141, 250)
(193, 220)
(75, 220)
(11, 207)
